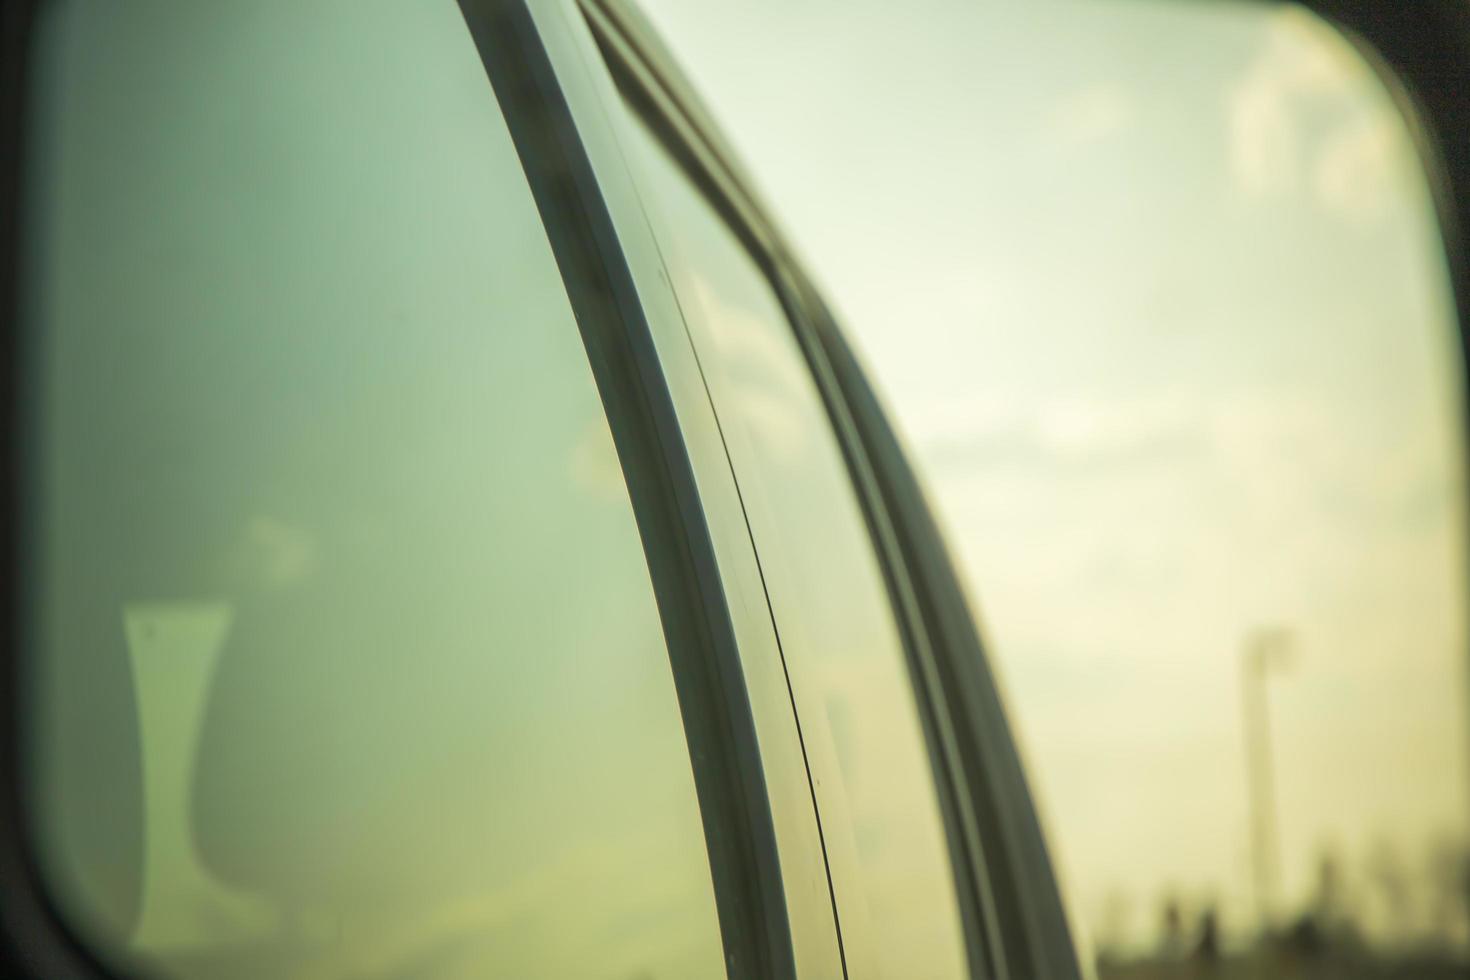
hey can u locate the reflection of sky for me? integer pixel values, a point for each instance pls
(1154, 292)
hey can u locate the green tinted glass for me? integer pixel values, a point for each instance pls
(346, 661)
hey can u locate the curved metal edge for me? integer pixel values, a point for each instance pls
(718, 720)
(599, 104)
(641, 87)
(994, 935)
(1037, 935)
(997, 935)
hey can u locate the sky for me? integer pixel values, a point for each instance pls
(1156, 295)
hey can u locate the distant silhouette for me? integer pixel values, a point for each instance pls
(1171, 943)
(1207, 948)
(1304, 940)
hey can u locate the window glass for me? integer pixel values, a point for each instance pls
(891, 871)
(345, 658)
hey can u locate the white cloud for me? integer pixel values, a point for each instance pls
(1353, 175)
(1308, 105)
(1072, 434)
(1115, 429)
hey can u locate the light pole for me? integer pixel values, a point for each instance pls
(1264, 650)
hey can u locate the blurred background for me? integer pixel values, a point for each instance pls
(1157, 294)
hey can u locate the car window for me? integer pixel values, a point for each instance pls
(891, 872)
(343, 653)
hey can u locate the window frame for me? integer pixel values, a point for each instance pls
(810, 915)
(514, 40)
(1423, 50)
(1000, 940)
